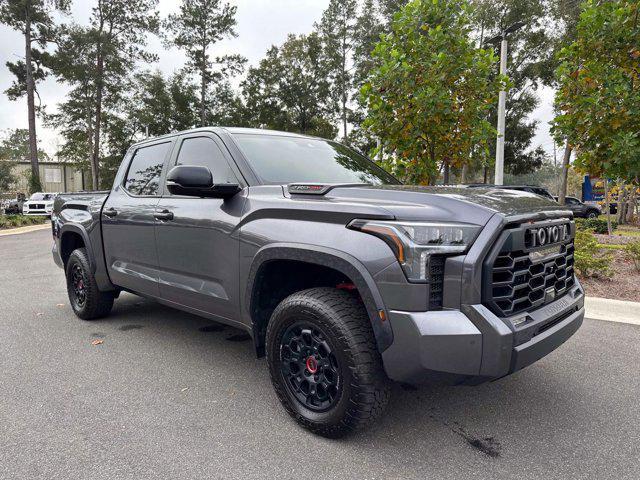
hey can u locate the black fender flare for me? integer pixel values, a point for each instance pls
(72, 228)
(102, 278)
(327, 257)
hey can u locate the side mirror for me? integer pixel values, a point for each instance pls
(197, 181)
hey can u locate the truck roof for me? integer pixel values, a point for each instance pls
(237, 130)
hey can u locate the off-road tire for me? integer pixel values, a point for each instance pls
(344, 321)
(96, 304)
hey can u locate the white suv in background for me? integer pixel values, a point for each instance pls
(39, 204)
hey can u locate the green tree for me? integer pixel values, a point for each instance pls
(527, 58)
(151, 105)
(15, 146)
(566, 14)
(33, 19)
(289, 89)
(96, 61)
(7, 178)
(428, 98)
(184, 101)
(198, 26)
(337, 29)
(598, 98)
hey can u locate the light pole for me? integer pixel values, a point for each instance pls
(502, 100)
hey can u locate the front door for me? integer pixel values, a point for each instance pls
(198, 245)
(128, 220)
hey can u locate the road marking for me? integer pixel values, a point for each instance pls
(27, 229)
(619, 311)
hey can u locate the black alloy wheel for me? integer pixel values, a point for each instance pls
(309, 367)
(324, 363)
(78, 283)
(87, 301)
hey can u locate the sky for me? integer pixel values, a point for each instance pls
(261, 23)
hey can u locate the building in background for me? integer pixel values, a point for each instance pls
(54, 176)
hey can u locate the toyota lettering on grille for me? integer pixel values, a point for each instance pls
(542, 236)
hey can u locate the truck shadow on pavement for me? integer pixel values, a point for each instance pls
(476, 417)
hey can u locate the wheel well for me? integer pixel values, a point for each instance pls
(277, 279)
(69, 242)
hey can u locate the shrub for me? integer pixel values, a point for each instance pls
(632, 252)
(597, 225)
(590, 261)
(13, 221)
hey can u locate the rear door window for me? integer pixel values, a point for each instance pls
(143, 176)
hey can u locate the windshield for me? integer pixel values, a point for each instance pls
(41, 196)
(281, 159)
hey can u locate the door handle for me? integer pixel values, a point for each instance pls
(163, 215)
(111, 212)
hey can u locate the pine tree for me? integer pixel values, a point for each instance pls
(198, 26)
(96, 61)
(289, 89)
(338, 32)
(33, 19)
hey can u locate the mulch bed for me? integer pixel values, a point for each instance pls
(623, 285)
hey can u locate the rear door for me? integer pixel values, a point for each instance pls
(198, 244)
(128, 219)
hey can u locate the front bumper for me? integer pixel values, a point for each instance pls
(473, 345)
(39, 213)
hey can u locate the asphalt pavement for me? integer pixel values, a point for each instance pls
(171, 395)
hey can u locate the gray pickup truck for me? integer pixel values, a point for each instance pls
(344, 278)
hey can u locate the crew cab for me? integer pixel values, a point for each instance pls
(580, 209)
(344, 278)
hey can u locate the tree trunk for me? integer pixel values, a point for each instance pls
(622, 203)
(97, 123)
(607, 204)
(631, 206)
(464, 174)
(344, 88)
(34, 183)
(203, 88)
(446, 174)
(562, 194)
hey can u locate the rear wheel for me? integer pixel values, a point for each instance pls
(324, 362)
(592, 214)
(87, 301)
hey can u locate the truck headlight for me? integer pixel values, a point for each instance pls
(413, 242)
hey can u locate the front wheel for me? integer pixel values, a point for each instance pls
(86, 300)
(324, 362)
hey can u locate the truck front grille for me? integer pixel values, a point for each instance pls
(520, 284)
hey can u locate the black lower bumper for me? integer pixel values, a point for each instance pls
(473, 345)
(546, 342)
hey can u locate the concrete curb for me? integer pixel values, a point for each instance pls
(620, 311)
(27, 229)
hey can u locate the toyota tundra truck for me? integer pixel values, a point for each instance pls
(344, 278)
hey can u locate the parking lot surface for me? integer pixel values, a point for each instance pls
(171, 395)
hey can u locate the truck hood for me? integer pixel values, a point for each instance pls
(468, 205)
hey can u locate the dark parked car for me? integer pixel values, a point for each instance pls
(13, 206)
(581, 209)
(344, 278)
(521, 188)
